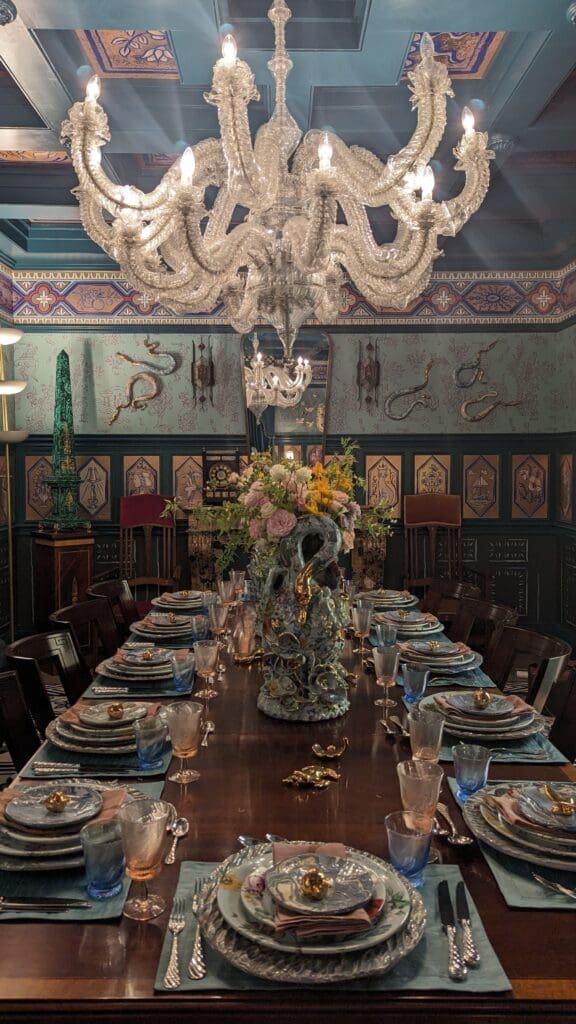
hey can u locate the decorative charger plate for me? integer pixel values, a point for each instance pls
(456, 670)
(536, 806)
(482, 830)
(29, 808)
(252, 913)
(460, 661)
(305, 969)
(499, 824)
(97, 715)
(407, 618)
(95, 737)
(19, 846)
(435, 648)
(29, 864)
(79, 747)
(351, 885)
(164, 619)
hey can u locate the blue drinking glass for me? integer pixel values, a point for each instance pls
(103, 859)
(408, 847)
(414, 679)
(150, 735)
(471, 764)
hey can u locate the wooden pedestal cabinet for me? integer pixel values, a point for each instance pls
(63, 568)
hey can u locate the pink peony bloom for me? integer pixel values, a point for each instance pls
(256, 529)
(280, 524)
(341, 496)
(254, 496)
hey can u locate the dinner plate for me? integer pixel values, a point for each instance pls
(499, 707)
(116, 670)
(305, 969)
(473, 817)
(252, 914)
(90, 735)
(165, 619)
(534, 729)
(406, 617)
(461, 662)
(435, 648)
(151, 656)
(456, 670)
(389, 598)
(79, 747)
(535, 805)
(507, 727)
(351, 885)
(30, 864)
(97, 715)
(29, 808)
(12, 846)
(546, 839)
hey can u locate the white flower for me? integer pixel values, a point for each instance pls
(303, 474)
(266, 509)
(278, 473)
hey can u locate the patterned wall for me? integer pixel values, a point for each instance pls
(535, 370)
(100, 382)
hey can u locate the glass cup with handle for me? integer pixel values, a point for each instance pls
(426, 727)
(184, 720)
(420, 783)
(144, 824)
(386, 665)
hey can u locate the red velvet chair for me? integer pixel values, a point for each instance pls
(147, 547)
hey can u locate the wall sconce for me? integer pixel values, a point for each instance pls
(9, 336)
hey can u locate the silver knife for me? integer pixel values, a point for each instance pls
(457, 969)
(471, 955)
(42, 903)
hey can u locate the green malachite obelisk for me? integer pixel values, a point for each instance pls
(64, 482)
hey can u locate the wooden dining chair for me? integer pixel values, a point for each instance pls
(480, 623)
(443, 595)
(94, 628)
(41, 661)
(121, 598)
(16, 723)
(514, 645)
(147, 543)
(425, 516)
(562, 704)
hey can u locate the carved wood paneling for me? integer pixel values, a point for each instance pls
(508, 549)
(509, 585)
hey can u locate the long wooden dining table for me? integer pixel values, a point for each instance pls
(104, 971)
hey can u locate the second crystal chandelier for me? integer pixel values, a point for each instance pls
(306, 199)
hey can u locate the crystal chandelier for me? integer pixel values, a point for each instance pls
(306, 224)
(270, 383)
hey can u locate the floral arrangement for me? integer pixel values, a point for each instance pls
(271, 496)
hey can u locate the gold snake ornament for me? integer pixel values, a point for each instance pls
(427, 401)
(475, 366)
(133, 401)
(483, 413)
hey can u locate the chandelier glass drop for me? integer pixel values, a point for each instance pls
(306, 227)
(269, 383)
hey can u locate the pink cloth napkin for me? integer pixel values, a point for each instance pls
(112, 800)
(73, 714)
(517, 705)
(307, 926)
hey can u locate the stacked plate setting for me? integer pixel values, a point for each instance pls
(180, 601)
(440, 656)
(498, 720)
(520, 821)
(247, 903)
(410, 622)
(96, 732)
(160, 626)
(390, 598)
(36, 839)
(137, 665)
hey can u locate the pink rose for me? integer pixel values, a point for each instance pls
(340, 496)
(280, 523)
(254, 496)
(256, 529)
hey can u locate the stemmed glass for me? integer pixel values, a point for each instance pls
(386, 664)
(226, 591)
(362, 620)
(143, 824)
(184, 721)
(218, 617)
(206, 653)
(238, 578)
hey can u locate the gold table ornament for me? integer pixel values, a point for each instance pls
(56, 802)
(115, 712)
(332, 751)
(315, 775)
(314, 885)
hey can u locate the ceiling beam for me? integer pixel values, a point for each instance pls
(33, 74)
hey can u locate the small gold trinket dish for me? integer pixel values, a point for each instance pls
(331, 751)
(482, 698)
(314, 884)
(115, 712)
(56, 801)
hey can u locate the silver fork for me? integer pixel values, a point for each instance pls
(175, 926)
(197, 967)
(554, 886)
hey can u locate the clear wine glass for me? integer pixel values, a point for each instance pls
(362, 620)
(184, 720)
(226, 591)
(144, 824)
(218, 617)
(386, 664)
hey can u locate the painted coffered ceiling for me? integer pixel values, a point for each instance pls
(513, 62)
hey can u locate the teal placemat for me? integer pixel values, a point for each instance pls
(98, 765)
(514, 877)
(425, 968)
(66, 885)
(475, 678)
(132, 692)
(533, 749)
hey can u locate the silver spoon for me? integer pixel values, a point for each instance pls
(455, 838)
(208, 729)
(403, 731)
(248, 841)
(178, 829)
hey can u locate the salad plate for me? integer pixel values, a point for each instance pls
(499, 824)
(499, 707)
(97, 715)
(348, 884)
(537, 807)
(29, 808)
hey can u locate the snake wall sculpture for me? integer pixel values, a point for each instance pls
(150, 376)
(475, 366)
(483, 413)
(427, 401)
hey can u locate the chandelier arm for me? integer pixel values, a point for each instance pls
(202, 296)
(370, 279)
(473, 158)
(390, 261)
(311, 236)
